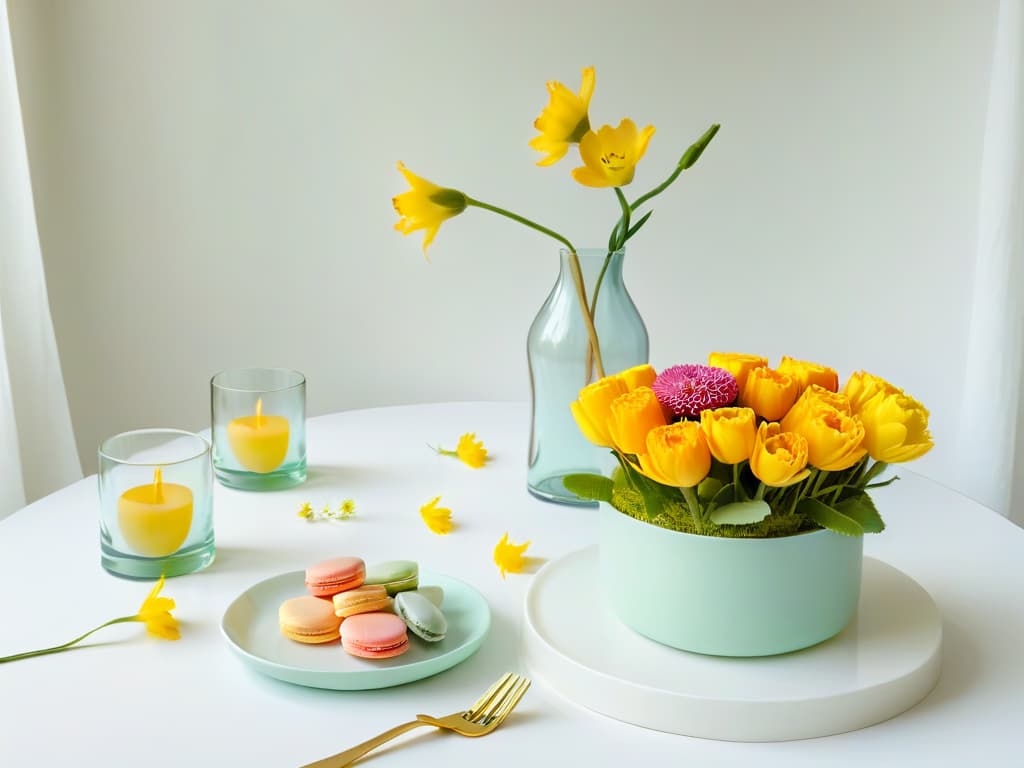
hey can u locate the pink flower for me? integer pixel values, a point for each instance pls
(687, 390)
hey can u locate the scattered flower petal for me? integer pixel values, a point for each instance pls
(156, 614)
(347, 509)
(509, 557)
(306, 511)
(438, 519)
(469, 451)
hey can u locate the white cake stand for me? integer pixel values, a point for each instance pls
(883, 663)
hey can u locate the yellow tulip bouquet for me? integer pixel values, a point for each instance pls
(609, 156)
(735, 448)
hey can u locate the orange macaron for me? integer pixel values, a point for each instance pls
(374, 635)
(308, 619)
(329, 577)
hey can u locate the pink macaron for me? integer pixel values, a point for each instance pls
(374, 635)
(329, 577)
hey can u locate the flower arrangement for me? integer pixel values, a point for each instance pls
(609, 157)
(735, 448)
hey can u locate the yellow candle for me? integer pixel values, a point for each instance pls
(259, 442)
(155, 519)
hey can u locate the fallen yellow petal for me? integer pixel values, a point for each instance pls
(438, 519)
(509, 557)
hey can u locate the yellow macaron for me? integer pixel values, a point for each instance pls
(365, 599)
(308, 619)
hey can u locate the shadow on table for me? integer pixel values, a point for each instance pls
(332, 475)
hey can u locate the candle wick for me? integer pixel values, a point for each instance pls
(259, 412)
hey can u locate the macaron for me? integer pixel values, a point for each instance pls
(395, 575)
(374, 635)
(421, 616)
(308, 619)
(432, 593)
(365, 599)
(329, 577)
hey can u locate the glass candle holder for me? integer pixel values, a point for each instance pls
(259, 428)
(156, 503)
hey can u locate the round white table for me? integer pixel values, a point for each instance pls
(126, 699)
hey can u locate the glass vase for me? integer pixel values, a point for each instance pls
(561, 364)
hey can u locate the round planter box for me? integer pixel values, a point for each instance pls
(728, 597)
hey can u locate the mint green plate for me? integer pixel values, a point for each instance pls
(251, 630)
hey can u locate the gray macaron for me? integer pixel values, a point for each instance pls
(422, 617)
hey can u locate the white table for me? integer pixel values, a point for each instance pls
(127, 699)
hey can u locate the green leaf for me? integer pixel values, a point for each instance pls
(862, 509)
(829, 518)
(587, 486)
(725, 495)
(741, 513)
(708, 487)
(633, 229)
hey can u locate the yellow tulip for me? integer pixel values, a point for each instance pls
(813, 397)
(738, 364)
(730, 433)
(835, 440)
(564, 120)
(896, 428)
(779, 458)
(610, 155)
(809, 373)
(677, 455)
(426, 206)
(771, 394)
(638, 376)
(634, 414)
(592, 410)
(863, 386)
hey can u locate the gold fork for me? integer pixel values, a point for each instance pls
(486, 714)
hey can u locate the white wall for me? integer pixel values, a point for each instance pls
(213, 183)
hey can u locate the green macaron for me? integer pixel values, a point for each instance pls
(395, 575)
(422, 617)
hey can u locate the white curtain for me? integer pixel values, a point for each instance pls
(37, 447)
(991, 443)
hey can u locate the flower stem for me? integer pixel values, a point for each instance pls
(65, 646)
(574, 263)
(694, 505)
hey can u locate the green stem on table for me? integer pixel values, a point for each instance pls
(574, 265)
(65, 646)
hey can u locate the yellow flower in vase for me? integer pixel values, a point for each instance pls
(564, 120)
(896, 428)
(730, 433)
(677, 455)
(610, 155)
(633, 415)
(779, 458)
(426, 206)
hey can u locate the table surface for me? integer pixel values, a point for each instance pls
(127, 699)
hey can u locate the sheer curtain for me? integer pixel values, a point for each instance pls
(991, 443)
(37, 447)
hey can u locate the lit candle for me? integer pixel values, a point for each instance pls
(155, 518)
(259, 442)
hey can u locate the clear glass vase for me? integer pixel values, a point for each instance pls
(561, 364)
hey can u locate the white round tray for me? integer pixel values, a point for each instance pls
(883, 663)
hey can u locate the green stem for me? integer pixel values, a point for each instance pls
(694, 506)
(574, 264)
(760, 492)
(65, 646)
(735, 481)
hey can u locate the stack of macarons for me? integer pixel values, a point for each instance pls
(370, 609)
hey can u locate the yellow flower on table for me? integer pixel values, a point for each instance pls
(633, 415)
(426, 206)
(438, 519)
(156, 614)
(779, 458)
(896, 428)
(564, 120)
(509, 557)
(677, 455)
(469, 451)
(610, 155)
(730, 433)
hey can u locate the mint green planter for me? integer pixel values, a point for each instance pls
(728, 597)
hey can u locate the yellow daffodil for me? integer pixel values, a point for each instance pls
(306, 511)
(426, 206)
(592, 409)
(677, 455)
(438, 519)
(779, 459)
(509, 557)
(347, 509)
(730, 433)
(633, 415)
(155, 613)
(469, 451)
(896, 428)
(564, 120)
(737, 363)
(610, 155)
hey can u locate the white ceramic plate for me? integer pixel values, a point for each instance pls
(251, 629)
